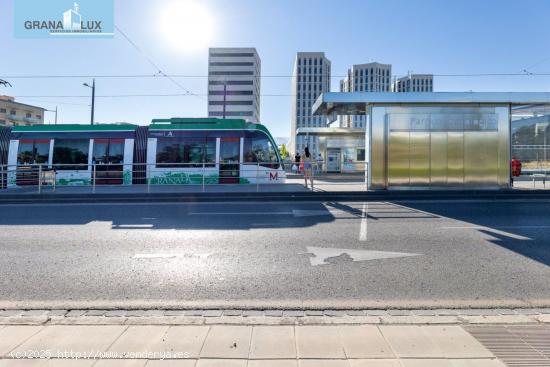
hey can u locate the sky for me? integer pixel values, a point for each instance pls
(422, 36)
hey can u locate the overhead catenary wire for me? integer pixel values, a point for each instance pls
(150, 61)
(137, 95)
(162, 74)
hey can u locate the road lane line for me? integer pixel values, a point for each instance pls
(154, 256)
(240, 213)
(363, 230)
(501, 227)
(496, 231)
(132, 226)
(169, 256)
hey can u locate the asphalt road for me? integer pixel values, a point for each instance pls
(460, 254)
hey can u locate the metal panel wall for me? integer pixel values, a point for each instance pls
(440, 146)
(378, 165)
(480, 158)
(398, 158)
(438, 159)
(455, 158)
(419, 158)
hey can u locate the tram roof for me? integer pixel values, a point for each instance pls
(75, 127)
(205, 124)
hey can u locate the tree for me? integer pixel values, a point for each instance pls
(283, 151)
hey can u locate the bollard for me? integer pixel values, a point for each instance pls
(147, 172)
(257, 173)
(39, 179)
(93, 179)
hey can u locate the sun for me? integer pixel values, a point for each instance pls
(186, 25)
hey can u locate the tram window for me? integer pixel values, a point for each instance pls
(108, 151)
(186, 152)
(73, 152)
(33, 151)
(258, 148)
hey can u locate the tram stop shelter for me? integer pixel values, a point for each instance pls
(447, 140)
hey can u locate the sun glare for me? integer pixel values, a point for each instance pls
(186, 25)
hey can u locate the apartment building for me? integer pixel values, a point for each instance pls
(234, 83)
(414, 83)
(13, 113)
(371, 77)
(310, 77)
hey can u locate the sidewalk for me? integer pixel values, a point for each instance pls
(243, 346)
(377, 338)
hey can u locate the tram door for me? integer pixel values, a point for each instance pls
(230, 151)
(108, 160)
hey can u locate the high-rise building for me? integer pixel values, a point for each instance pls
(414, 83)
(234, 83)
(15, 114)
(371, 77)
(310, 78)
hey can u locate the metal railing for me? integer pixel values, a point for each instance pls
(199, 174)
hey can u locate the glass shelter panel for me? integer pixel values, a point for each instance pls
(531, 137)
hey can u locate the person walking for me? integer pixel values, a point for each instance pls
(308, 167)
(296, 165)
(319, 163)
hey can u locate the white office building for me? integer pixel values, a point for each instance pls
(371, 77)
(414, 83)
(310, 78)
(234, 83)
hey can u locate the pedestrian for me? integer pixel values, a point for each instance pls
(308, 163)
(296, 165)
(319, 163)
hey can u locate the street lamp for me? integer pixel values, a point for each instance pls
(93, 98)
(55, 114)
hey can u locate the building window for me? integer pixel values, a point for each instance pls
(38, 117)
(28, 115)
(186, 152)
(2, 110)
(2, 122)
(73, 152)
(230, 92)
(13, 112)
(231, 82)
(230, 113)
(231, 54)
(231, 64)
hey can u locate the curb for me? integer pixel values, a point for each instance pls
(275, 317)
(6, 198)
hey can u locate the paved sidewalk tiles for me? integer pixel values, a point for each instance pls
(245, 345)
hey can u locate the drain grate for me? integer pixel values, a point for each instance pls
(516, 345)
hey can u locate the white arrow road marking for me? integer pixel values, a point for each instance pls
(321, 254)
(363, 230)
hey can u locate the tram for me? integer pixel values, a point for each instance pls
(173, 151)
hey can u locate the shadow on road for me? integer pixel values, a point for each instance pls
(521, 227)
(179, 217)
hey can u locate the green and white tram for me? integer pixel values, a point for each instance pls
(173, 151)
